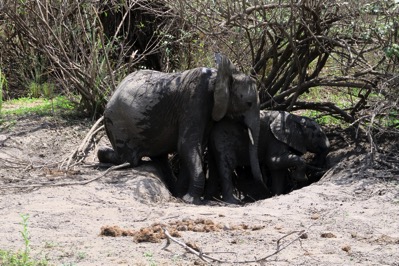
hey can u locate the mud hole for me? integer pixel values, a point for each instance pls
(349, 217)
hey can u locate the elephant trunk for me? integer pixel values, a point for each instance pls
(320, 159)
(323, 148)
(252, 122)
(254, 162)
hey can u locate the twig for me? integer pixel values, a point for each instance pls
(14, 163)
(49, 184)
(201, 255)
(82, 147)
(279, 249)
(204, 257)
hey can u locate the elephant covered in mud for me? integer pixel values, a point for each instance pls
(283, 139)
(154, 114)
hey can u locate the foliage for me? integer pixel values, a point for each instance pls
(345, 50)
(21, 258)
(3, 87)
(150, 258)
(392, 51)
(80, 47)
(39, 106)
(37, 90)
(292, 48)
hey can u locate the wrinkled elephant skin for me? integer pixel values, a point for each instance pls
(283, 139)
(153, 114)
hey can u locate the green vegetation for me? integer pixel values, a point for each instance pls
(82, 255)
(323, 119)
(3, 87)
(343, 99)
(392, 51)
(21, 258)
(59, 106)
(39, 106)
(316, 94)
(343, 55)
(37, 90)
(150, 258)
(391, 119)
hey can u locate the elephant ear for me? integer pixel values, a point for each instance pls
(287, 128)
(222, 87)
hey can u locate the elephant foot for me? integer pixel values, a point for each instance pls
(192, 200)
(107, 155)
(212, 196)
(260, 191)
(232, 200)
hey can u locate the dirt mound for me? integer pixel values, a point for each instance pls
(142, 183)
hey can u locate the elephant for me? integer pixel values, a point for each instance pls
(283, 139)
(152, 114)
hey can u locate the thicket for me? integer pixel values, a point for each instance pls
(307, 54)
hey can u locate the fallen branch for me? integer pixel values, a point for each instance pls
(206, 258)
(201, 255)
(13, 163)
(85, 143)
(49, 184)
(280, 248)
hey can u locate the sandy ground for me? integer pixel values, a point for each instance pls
(350, 217)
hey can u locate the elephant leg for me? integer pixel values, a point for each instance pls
(288, 160)
(298, 165)
(192, 172)
(299, 174)
(182, 182)
(278, 180)
(265, 173)
(124, 149)
(225, 173)
(228, 192)
(212, 184)
(108, 155)
(167, 173)
(251, 187)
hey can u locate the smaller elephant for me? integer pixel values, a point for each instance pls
(283, 139)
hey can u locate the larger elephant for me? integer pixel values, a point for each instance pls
(283, 139)
(153, 114)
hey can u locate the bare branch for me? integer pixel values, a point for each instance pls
(208, 258)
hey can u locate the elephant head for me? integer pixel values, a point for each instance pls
(289, 137)
(236, 95)
(301, 133)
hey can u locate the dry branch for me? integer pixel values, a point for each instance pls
(49, 184)
(203, 256)
(81, 150)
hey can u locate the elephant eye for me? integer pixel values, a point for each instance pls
(249, 104)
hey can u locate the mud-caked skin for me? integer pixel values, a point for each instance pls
(153, 114)
(283, 139)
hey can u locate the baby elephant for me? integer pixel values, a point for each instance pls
(283, 139)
